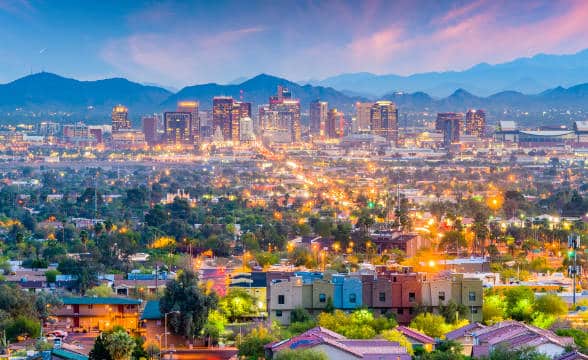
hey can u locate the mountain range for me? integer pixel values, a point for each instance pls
(63, 99)
(529, 75)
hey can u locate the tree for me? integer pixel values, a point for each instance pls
(251, 347)
(493, 309)
(397, 336)
(519, 303)
(299, 314)
(99, 351)
(452, 312)
(185, 296)
(452, 241)
(236, 304)
(550, 304)
(23, 325)
(100, 291)
(434, 325)
(304, 354)
(120, 345)
(360, 324)
(215, 326)
(51, 275)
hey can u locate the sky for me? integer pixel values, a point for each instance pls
(180, 43)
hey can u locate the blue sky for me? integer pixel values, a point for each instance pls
(178, 43)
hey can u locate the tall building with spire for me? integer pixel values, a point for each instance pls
(120, 118)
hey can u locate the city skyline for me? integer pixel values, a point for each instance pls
(142, 40)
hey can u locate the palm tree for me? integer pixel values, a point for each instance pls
(120, 345)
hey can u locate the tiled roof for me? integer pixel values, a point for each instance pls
(88, 300)
(574, 355)
(462, 331)
(416, 335)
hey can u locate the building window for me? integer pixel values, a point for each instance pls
(411, 297)
(474, 310)
(411, 311)
(382, 296)
(472, 296)
(441, 295)
(278, 313)
(281, 299)
(90, 306)
(400, 311)
(322, 298)
(394, 279)
(352, 298)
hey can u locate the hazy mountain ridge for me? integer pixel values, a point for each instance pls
(527, 75)
(45, 92)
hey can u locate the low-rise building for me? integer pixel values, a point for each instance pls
(94, 313)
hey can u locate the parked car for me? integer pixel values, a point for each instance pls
(58, 334)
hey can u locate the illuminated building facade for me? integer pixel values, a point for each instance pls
(451, 130)
(335, 124)
(449, 116)
(288, 112)
(363, 115)
(178, 128)
(227, 114)
(318, 117)
(192, 108)
(475, 122)
(384, 120)
(150, 129)
(120, 118)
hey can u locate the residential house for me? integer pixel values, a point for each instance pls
(347, 292)
(337, 347)
(463, 335)
(94, 313)
(518, 335)
(417, 339)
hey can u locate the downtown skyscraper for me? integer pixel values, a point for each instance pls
(120, 118)
(318, 117)
(226, 116)
(384, 120)
(475, 122)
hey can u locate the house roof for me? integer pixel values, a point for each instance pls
(68, 355)
(462, 331)
(363, 349)
(415, 335)
(87, 300)
(151, 311)
(574, 355)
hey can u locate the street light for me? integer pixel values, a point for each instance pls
(165, 324)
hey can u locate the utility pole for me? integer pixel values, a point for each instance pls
(574, 245)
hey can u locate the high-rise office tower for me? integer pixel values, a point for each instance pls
(335, 124)
(442, 117)
(363, 115)
(150, 129)
(222, 108)
(120, 118)
(227, 114)
(288, 111)
(318, 117)
(192, 108)
(475, 122)
(178, 128)
(451, 131)
(246, 129)
(384, 120)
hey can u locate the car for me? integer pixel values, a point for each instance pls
(62, 334)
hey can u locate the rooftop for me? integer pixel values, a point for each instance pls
(87, 300)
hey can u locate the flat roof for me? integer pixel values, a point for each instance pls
(88, 300)
(547, 132)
